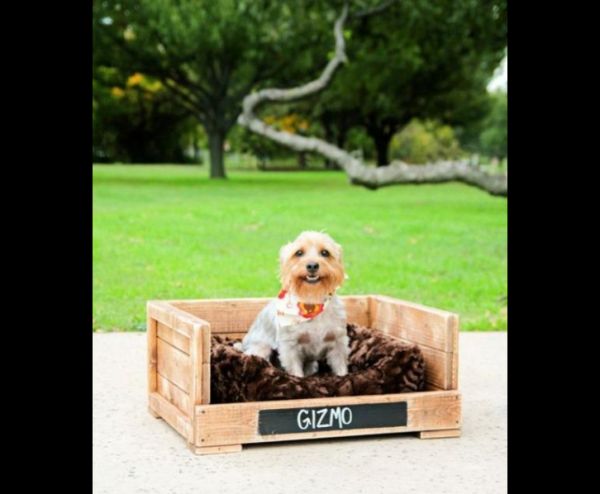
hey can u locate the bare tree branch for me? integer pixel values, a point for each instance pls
(359, 173)
(373, 10)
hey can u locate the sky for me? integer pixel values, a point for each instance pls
(499, 79)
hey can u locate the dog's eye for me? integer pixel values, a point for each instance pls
(299, 253)
(325, 253)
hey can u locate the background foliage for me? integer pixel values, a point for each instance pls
(420, 60)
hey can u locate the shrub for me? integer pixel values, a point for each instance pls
(424, 142)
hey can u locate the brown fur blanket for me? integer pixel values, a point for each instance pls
(378, 364)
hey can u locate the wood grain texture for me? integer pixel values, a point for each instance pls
(174, 365)
(236, 315)
(211, 450)
(432, 387)
(196, 368)
(172, 415)
(205, 396)
(151, 338)
(178, 340)
(173, 338)
(238, 423)
(173, 317)
(454, 331)
(439, 434)
(224, 315)
(174, 394)
(416, 323)
(357, 309)
(205, 334)
(438, 365)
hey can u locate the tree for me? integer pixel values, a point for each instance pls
(493, 139)
(425, 59)
(263, 149)
(208, 54)
(488, 135)
(358, 172)
(134, 120)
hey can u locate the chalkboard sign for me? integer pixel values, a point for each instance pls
(293, 420)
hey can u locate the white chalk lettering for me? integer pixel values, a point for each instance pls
(336, 414)
(346, 412)
(322, 414)
(324, 418)
(303, 423)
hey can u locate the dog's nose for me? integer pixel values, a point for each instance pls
(312, 266)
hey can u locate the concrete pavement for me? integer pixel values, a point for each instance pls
(136, 453)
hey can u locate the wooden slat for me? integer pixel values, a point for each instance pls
(172, 415)
(205, 336)
(174, 394)
(152, 354)
(357, 309)
(454, 328)
(237, 315)
(439, 434)
(437, 365)
(195, 370)
(200, 359)
(174, 365)
(237, 423)
(205, 397)
(414, 322)
(173, 338)
(173, 317)
(224, 315)
(432, 387)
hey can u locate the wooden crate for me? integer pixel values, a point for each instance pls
(179, 333)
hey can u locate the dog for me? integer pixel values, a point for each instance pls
(306, 323)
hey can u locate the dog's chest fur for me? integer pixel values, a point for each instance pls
(316, 336)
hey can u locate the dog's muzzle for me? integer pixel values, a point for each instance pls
(312, 276)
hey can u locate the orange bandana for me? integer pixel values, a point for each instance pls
(291, 311)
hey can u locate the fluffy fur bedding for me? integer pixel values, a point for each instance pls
(378, 364)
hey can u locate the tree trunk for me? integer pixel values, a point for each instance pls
(382, 146)
(328, 137)
(302, 160)
(216, 140)
(338, 136)
(340, 140)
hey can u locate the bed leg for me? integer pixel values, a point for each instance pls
(211, 450)
(439, 434)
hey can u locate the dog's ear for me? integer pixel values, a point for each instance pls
(339, 252)
(285, 252)
(336, 249)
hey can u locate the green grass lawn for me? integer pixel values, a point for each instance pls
(167, 232)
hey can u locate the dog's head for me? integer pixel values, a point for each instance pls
(311, 266)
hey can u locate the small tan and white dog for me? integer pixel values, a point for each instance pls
(307, 321)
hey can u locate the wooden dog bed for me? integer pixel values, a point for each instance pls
(179, 377)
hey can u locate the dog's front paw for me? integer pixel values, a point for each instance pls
(311, 368)
(341, 372)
